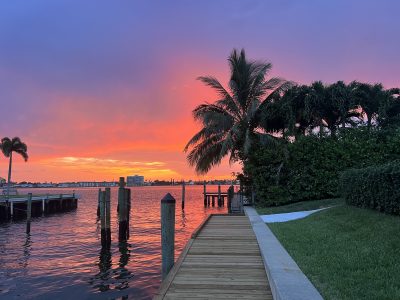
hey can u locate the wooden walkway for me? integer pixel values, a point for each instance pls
(221, 261)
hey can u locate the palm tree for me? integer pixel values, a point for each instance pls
(318, 105)
(370, 98)
(294, 108)
(230, 125)
(343, 97)
(9, 146)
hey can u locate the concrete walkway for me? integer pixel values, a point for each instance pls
(285, 217)
(286, 280)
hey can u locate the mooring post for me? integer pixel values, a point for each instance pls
(28, 213)
(230, 197)
(183, 194)
(167, 233)
(43, 205)
(102, 197)
(108, 215)
(205, 193)
(127, 209)
(11, 209)
(122, 210)
(99, 203)
(219, 196)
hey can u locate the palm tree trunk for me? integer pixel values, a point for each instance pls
(321, 129)
(9, 178)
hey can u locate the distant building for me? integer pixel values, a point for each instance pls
(134, 180)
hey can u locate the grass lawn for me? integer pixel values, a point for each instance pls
(299, 206)
(347, 252)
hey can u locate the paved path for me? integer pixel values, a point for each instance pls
(221, 261)
(285, 217)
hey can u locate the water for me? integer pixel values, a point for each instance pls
(62, 257)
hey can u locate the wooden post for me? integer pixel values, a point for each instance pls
(99, 203)
(128, 210)
(205, 193)
(167, 233)
(230, 197)
(43, 205)
(213, 200)
(183, 194)
(28, 213)
(122, 210)
(219, 196)
(108, 215)
(103, 218)
(11, 209)
(61, 202)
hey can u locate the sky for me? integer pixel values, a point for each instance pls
(101, 89)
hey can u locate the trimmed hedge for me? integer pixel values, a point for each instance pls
(375, 187)
(309, 168)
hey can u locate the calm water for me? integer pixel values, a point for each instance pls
(62, 257)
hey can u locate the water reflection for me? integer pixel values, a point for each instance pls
(183, 219)
(108, 278)
(27, 246)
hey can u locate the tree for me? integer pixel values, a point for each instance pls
(343, 97)
(9, 146)
(318, 106)
(230, 125)
(370, 98)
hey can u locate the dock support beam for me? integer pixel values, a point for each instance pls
(167, 233)
(28, 213)
(183, 194)
(105, 217)
(219, 196)
(204, 193)
(11, 209)
(123, 198)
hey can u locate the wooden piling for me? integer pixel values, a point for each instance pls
(205, 193)
(98, 203)
(183, 194)
(167, 233)
(123, 195)
(11, 209)
(213, 201)
(219, 196)
(28, 213)
(108, 215)
(229, 198)
(102, 196)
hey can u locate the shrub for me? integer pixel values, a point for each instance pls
(376, 187)
(309, 168)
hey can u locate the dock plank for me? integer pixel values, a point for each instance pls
(223, 261)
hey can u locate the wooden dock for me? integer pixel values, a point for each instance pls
(222, 260)
(48, 203)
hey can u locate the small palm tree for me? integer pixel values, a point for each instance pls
(231, 125)
(8, 146)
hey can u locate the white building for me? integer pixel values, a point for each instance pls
(134, 180)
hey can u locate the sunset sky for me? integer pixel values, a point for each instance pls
(102, 89)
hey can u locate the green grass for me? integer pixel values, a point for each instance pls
(347, 252)
(299, 206)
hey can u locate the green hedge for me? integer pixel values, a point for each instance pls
(375, 187)
(311, 166)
